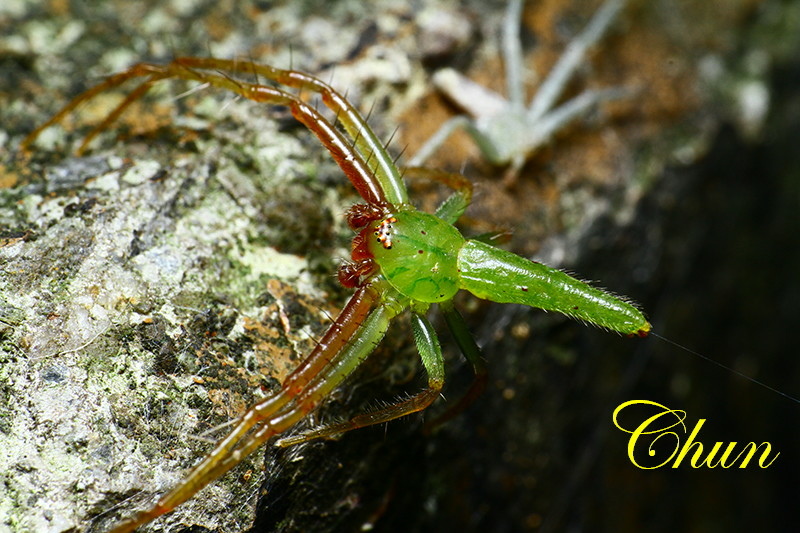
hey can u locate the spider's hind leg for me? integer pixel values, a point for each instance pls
(431, 354)
(472, 353)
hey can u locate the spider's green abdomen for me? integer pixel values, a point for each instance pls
(418, 254)
(500, 276)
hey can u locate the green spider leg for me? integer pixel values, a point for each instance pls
(431, 354)
(472, 353)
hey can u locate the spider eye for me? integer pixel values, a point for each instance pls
(383, 232)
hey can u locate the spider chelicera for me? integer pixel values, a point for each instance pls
(402, 259)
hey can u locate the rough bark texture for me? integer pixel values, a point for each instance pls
(153, 289)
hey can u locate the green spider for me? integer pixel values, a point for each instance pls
(402, 259)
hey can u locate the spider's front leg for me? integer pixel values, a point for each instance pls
(361, 157)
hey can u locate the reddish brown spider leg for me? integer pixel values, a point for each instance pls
(352, 274)
(349, 160)
(359, 215)
(454, 206)
(345, 345)
(153, 72)
(431, 355)
(458, 182)
(366, 142)
(137, 93)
